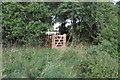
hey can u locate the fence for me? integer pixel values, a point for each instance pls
(58, 41)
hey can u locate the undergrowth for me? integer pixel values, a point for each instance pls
(40, 62)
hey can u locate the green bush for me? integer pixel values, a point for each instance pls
(102, 62)
(25, 23)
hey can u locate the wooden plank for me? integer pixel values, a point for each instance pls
(58, 41)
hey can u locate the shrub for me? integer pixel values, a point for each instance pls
(25, 23)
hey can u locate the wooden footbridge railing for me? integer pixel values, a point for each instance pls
(58, 41)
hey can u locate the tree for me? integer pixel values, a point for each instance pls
(25, 21)
(92, 18)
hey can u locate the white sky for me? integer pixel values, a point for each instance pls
(114, 1)
(56, 25)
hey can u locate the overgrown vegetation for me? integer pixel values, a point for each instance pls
(92, 23)
(25, 23)
(41, 62)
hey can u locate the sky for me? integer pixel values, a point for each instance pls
(114, 1)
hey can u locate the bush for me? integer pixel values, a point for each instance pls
(101, 63)
(104, 46)
(25, 23)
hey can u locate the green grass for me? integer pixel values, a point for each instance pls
(0, 61)
(40, 62)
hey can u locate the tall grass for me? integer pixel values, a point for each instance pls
(39, 62)
(0, 61)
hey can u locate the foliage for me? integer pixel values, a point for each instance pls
(99, 24)
(24, 22)
(93, 18)
(38, 62)
(108, 37)
(35, 33)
